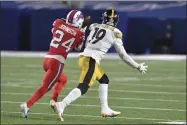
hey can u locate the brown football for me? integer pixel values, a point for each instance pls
(86, 21)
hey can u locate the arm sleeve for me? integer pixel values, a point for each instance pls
(123, 54)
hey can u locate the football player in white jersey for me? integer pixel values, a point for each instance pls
(101, 38)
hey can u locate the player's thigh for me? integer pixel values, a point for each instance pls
(83, 66)
(46, 63)
(83, 62)
(53, 73)
(87, 68)
(99, 72)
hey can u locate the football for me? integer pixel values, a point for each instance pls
(86, 22)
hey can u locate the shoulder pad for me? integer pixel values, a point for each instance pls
(118, 33)
(58, 21)
(106, 27)
(92, 26)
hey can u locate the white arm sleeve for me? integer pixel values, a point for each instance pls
(123, 54)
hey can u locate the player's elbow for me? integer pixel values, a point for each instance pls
(120, 52)
(123, 57)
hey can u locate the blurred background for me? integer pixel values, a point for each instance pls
(148, 27)
(154, 33)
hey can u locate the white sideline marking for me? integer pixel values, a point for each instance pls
(173, 77)
(120, 82)
(120, 107)
(93, 97)
(88, 116)
(127, 79)
(131, 83)
(113, 90)
(126, 83)
(173, 122)
(114, 56)
(153, 77)
(150, 85)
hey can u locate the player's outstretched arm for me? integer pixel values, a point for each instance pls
(126, 58)
(123, 54)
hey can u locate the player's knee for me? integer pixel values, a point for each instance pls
(65, 79)
(83, 87)
(104, 79)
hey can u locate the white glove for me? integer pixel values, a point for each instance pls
(142, 68)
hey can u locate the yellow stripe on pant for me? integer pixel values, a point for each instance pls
(90, 70)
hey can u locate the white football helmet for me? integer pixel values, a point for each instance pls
(75, 18)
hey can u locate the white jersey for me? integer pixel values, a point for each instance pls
(101, 38)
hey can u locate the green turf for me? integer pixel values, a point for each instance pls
(156, 97)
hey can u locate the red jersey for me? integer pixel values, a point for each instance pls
(65, 38)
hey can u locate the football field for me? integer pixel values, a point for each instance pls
(159, 96)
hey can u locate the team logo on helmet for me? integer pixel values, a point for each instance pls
(79, 17)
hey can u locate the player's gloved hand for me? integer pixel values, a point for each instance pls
(142, 68)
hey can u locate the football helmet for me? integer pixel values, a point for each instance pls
(110, 17)
(75, 18)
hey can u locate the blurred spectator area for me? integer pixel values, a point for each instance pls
(44, 4)
(148, 27)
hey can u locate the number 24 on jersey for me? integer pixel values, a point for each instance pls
(66, 44)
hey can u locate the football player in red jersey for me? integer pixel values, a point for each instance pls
(68, 34)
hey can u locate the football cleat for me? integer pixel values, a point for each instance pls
(52, 103)
(109, 113)
(24, 110)
(58, 109)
